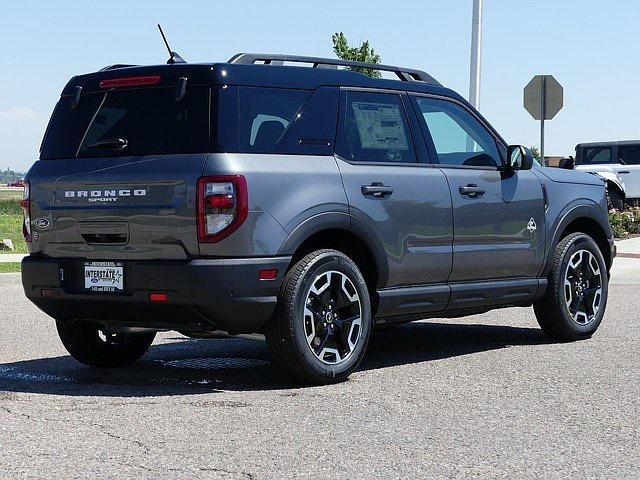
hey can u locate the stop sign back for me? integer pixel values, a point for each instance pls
(547, 87)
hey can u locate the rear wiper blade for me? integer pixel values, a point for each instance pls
(111, 143)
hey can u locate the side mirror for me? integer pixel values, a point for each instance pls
(519, 158)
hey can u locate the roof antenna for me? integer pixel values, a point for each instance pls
(173, 56)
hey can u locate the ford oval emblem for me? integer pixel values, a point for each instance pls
(42, 223)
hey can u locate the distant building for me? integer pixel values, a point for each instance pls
(552, 161)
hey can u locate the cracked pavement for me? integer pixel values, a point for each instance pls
(485, 397)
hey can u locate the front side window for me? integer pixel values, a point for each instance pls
(458, 138)
(373, 128)
(630, 155)
(595, 156)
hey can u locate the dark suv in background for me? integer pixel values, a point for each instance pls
(309, 203)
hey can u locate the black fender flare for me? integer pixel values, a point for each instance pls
(339, 221)
(574, 211)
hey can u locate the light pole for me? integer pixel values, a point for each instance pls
(476, 54)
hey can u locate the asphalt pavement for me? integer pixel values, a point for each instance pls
(487, 396)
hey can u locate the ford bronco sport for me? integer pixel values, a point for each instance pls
(306, 203)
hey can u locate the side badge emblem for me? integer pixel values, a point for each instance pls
(531, 226)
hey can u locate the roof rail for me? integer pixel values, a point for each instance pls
(404, 74)
(117, 65)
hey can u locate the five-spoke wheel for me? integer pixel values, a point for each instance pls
(583, 287)
(332, 317)
(574, 302)
(321, 328)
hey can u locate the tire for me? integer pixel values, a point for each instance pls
(84, 341)
(584, 292)
(319, 334)
(615, 199)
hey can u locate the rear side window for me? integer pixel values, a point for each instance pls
(595, 156)
(630, 155)
(265, 115)
(373, 128)
(146, 121)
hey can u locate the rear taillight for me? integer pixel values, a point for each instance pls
(222, 206)
(25, 203)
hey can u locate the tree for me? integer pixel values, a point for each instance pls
(535, 153)
(363, 53)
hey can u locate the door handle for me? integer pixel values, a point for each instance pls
(624, 171)
(377, 189)
(472, 190)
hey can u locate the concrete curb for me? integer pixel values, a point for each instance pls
(10, 278)
(11, 257)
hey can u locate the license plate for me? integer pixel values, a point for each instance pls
(104, 276)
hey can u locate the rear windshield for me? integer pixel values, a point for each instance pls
(137, 121)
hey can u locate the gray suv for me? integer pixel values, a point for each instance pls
(308, 203)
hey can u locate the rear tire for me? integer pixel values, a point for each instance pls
(321, 327)
(92, 345)
(573, 306)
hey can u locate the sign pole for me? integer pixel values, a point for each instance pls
(542, 110)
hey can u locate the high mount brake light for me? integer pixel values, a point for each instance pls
(222, 206)
(25, 203)
(130, 81)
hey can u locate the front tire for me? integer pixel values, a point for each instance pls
(322, 323)
(615, 199)
(95, 346)
(573, 306)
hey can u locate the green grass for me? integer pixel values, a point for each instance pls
(11, 221)
(13, 194)
(9, 267)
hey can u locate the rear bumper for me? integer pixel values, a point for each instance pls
(202, 294)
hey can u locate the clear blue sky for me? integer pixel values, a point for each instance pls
(591, 47)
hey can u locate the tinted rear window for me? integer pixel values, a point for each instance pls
(150, 120)
(594, 156)
(265, 115)
(630, 155)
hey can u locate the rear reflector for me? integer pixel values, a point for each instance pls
(46, 292)
(130, 81)
(158, 297)
(219, 201)
(268, 274)
(25, 204)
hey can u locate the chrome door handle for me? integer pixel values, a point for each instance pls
(472, 190)
(376, 189)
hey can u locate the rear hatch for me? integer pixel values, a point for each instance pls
(119, 166)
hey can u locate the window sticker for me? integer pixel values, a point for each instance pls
(380, 126)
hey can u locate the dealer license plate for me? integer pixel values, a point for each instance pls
(104, 276)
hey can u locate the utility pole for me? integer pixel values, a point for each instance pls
(543, 108)
(476, 54)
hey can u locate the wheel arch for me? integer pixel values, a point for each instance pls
(613, 185)
(586, 219)
(342, 232)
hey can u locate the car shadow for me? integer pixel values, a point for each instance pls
(182, 366)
